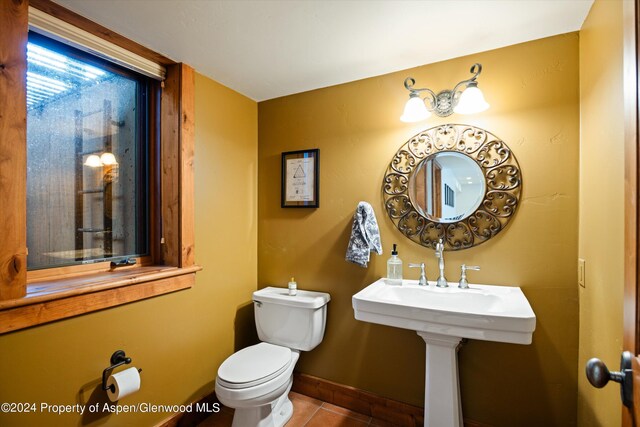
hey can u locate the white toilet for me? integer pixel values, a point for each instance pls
(256, 380)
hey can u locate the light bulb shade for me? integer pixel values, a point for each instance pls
(108, 159)
(471, 101)
(93, 161)
(414, 110)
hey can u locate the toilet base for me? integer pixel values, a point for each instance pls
(282, 409)
(274, 414)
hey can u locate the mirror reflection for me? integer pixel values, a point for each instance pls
(447, 187)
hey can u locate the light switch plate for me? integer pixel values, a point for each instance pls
(581, 272)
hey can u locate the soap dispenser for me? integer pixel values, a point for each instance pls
(394, 268)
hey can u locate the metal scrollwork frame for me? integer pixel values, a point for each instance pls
(503, 185)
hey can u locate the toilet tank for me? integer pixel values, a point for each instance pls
(296, 322)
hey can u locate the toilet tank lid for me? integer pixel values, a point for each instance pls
(304, 299)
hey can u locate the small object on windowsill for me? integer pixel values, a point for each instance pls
(125, 262)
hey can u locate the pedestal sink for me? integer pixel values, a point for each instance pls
(442, 317)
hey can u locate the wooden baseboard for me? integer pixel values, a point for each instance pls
(363, 402)
(392, 411)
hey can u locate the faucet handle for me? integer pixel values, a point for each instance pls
(423, 278)
(463, 284)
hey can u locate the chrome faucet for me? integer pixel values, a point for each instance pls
(423, 277)
(442, 281)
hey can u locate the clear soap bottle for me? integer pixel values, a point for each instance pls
(394, 268)
(293, 287)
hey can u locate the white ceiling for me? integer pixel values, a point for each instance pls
(270, 48)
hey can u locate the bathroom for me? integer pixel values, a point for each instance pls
(556, 101)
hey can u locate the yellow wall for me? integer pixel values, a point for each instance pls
(533, 92)
(179, 340)
(601, 206)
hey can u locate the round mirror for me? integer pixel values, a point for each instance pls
(457, 183)
(446, 187)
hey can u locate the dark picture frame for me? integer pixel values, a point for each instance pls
(299, 179)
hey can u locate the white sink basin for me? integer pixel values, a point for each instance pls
(484, 312)
(442, 317)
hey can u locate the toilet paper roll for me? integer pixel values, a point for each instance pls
(123, 384)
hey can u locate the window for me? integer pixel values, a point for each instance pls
(87, 157)
(151, 210)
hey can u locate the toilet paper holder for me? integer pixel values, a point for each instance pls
(118, 358)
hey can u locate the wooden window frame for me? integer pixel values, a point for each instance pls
(41, 296)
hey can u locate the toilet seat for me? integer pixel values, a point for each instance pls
(254, 365)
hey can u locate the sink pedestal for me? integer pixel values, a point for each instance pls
(442, 317)
(442, 388)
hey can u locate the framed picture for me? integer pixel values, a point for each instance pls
(300, 179)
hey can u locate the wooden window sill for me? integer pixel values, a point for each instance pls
(37, 297)
(53, 299)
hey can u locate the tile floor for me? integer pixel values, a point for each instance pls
(307, 412)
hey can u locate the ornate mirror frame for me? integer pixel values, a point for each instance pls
(503, 185)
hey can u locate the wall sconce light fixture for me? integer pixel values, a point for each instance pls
(105, 159)
(108, 159)
(93, 161)
(468, 100)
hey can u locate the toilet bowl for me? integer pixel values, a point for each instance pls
(256, 380)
